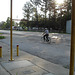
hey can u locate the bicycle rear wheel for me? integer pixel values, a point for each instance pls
(49, 40)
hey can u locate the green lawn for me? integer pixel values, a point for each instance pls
(1, 37)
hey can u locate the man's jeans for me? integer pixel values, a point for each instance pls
(46, 37)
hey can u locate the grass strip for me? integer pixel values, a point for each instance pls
(2, 37)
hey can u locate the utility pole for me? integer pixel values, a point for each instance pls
(11, 54)
(72, 40)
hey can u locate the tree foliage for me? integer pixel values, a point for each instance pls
(28, 9)
(6, 25)
(51, 14)
(45, 14)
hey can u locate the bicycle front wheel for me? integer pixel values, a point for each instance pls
(42, 39)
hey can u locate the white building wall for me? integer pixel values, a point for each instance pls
(68, 26)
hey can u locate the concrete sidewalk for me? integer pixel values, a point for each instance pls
(27, 64)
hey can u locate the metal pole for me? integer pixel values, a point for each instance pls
(72, 40)
(11, 58)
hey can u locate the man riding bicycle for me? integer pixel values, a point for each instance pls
(46, 34)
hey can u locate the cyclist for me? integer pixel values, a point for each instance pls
(46, 34)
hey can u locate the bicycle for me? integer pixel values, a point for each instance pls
(46, 40)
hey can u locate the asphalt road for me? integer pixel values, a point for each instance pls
(57, 52)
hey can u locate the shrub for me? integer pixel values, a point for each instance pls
(2, 37)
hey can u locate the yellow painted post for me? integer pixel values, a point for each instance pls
(0, 51)
(17, 50)
(72, 40)
(11, 54)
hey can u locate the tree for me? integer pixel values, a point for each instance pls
(28, 10)
(8, 23)
(58, 14)
(65, 14)
(36, 3)
(23, 23)
(49, 6)
(2, 25)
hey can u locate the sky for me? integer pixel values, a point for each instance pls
(17, 9)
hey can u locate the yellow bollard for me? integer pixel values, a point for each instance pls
(0, 51)
(17, 50)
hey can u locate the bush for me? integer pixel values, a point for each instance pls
(2, 37)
